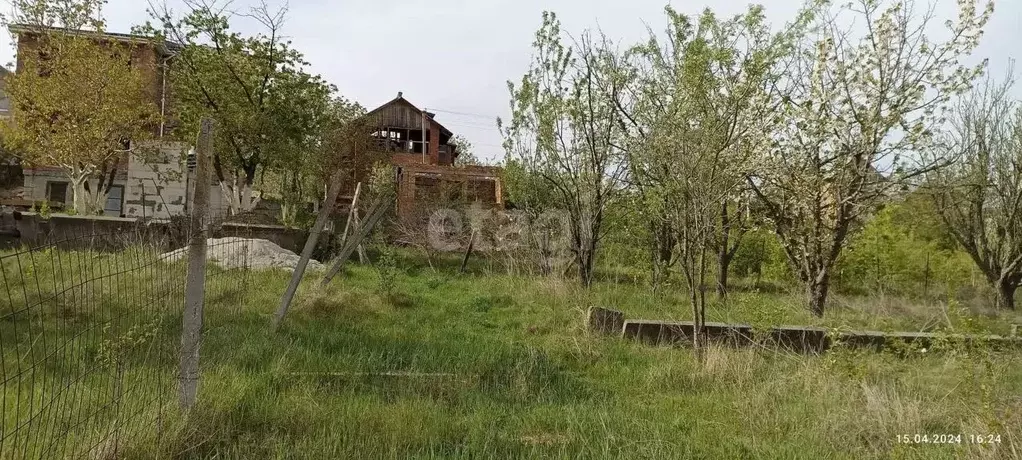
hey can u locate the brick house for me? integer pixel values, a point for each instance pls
(418, 146)
(425, 162)
(139, 189)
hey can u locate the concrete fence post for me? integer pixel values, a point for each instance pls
(195, 284)
(310, 246)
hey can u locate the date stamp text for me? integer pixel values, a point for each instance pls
(948, 438)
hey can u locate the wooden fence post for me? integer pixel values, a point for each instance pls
(195, 284)
(468, 252)
(310, 245)
(376, 212)
(353, 215)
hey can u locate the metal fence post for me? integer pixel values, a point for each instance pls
(195, 284)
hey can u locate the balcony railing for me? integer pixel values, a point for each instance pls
(393, 145)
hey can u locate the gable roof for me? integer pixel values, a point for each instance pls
(167, 48)
(401, 100)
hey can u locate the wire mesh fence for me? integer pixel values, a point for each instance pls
(90, 332)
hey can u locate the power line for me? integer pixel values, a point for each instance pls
(467, 114)
(471, 125)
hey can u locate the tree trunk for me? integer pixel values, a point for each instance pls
(97, 201)
(697, 325)
(723, 267)
(1006, 294)
(249, 199)
(240, 196)
(585, 250)
(723, 261)
(695, 275)
(585, 263)
(816, 291)
(78, 195)
(93, 199)
(663, 252)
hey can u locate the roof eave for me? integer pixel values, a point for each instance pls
(166, 48)
(443, 129)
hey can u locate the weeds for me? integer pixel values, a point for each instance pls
(497, 366)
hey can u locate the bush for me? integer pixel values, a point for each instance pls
(890, 256)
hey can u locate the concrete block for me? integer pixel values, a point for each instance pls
(605, 321)
(673, 333)
(800, 339)
(864, 339)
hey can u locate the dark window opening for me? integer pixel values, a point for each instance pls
(115, 200)
(390, 139)
(56, 192)
(482, 190)
(454, 190)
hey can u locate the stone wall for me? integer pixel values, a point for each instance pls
(95, 232)
(113, 233)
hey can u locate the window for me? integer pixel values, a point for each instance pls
(115, 200)
(427, 189)
(482, 190)
(453, 190)
(56, 192)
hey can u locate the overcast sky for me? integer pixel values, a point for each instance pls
(457, 55)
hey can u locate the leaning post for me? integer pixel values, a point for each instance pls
(310, 245)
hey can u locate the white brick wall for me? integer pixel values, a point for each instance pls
(36, 185)
(163, 181)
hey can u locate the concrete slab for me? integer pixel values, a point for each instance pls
(604, 321)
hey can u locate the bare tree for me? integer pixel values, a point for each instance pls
(979, 197)
(858, 105)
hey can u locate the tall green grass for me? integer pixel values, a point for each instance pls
(430, 364)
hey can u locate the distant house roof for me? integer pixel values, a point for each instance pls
(167, 48)
(401, 100)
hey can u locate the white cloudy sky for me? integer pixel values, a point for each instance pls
(456, 55)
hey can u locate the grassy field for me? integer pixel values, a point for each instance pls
(416, 363)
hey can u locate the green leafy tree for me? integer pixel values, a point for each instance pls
(562, 129)
(307, 167)
(702, 106)
(268, 109)
(466, 154)
(699, 96)
(535, 226)
(77, 102)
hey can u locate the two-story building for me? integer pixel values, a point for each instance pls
(139, 189)
(417, 145)
(425, 162)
